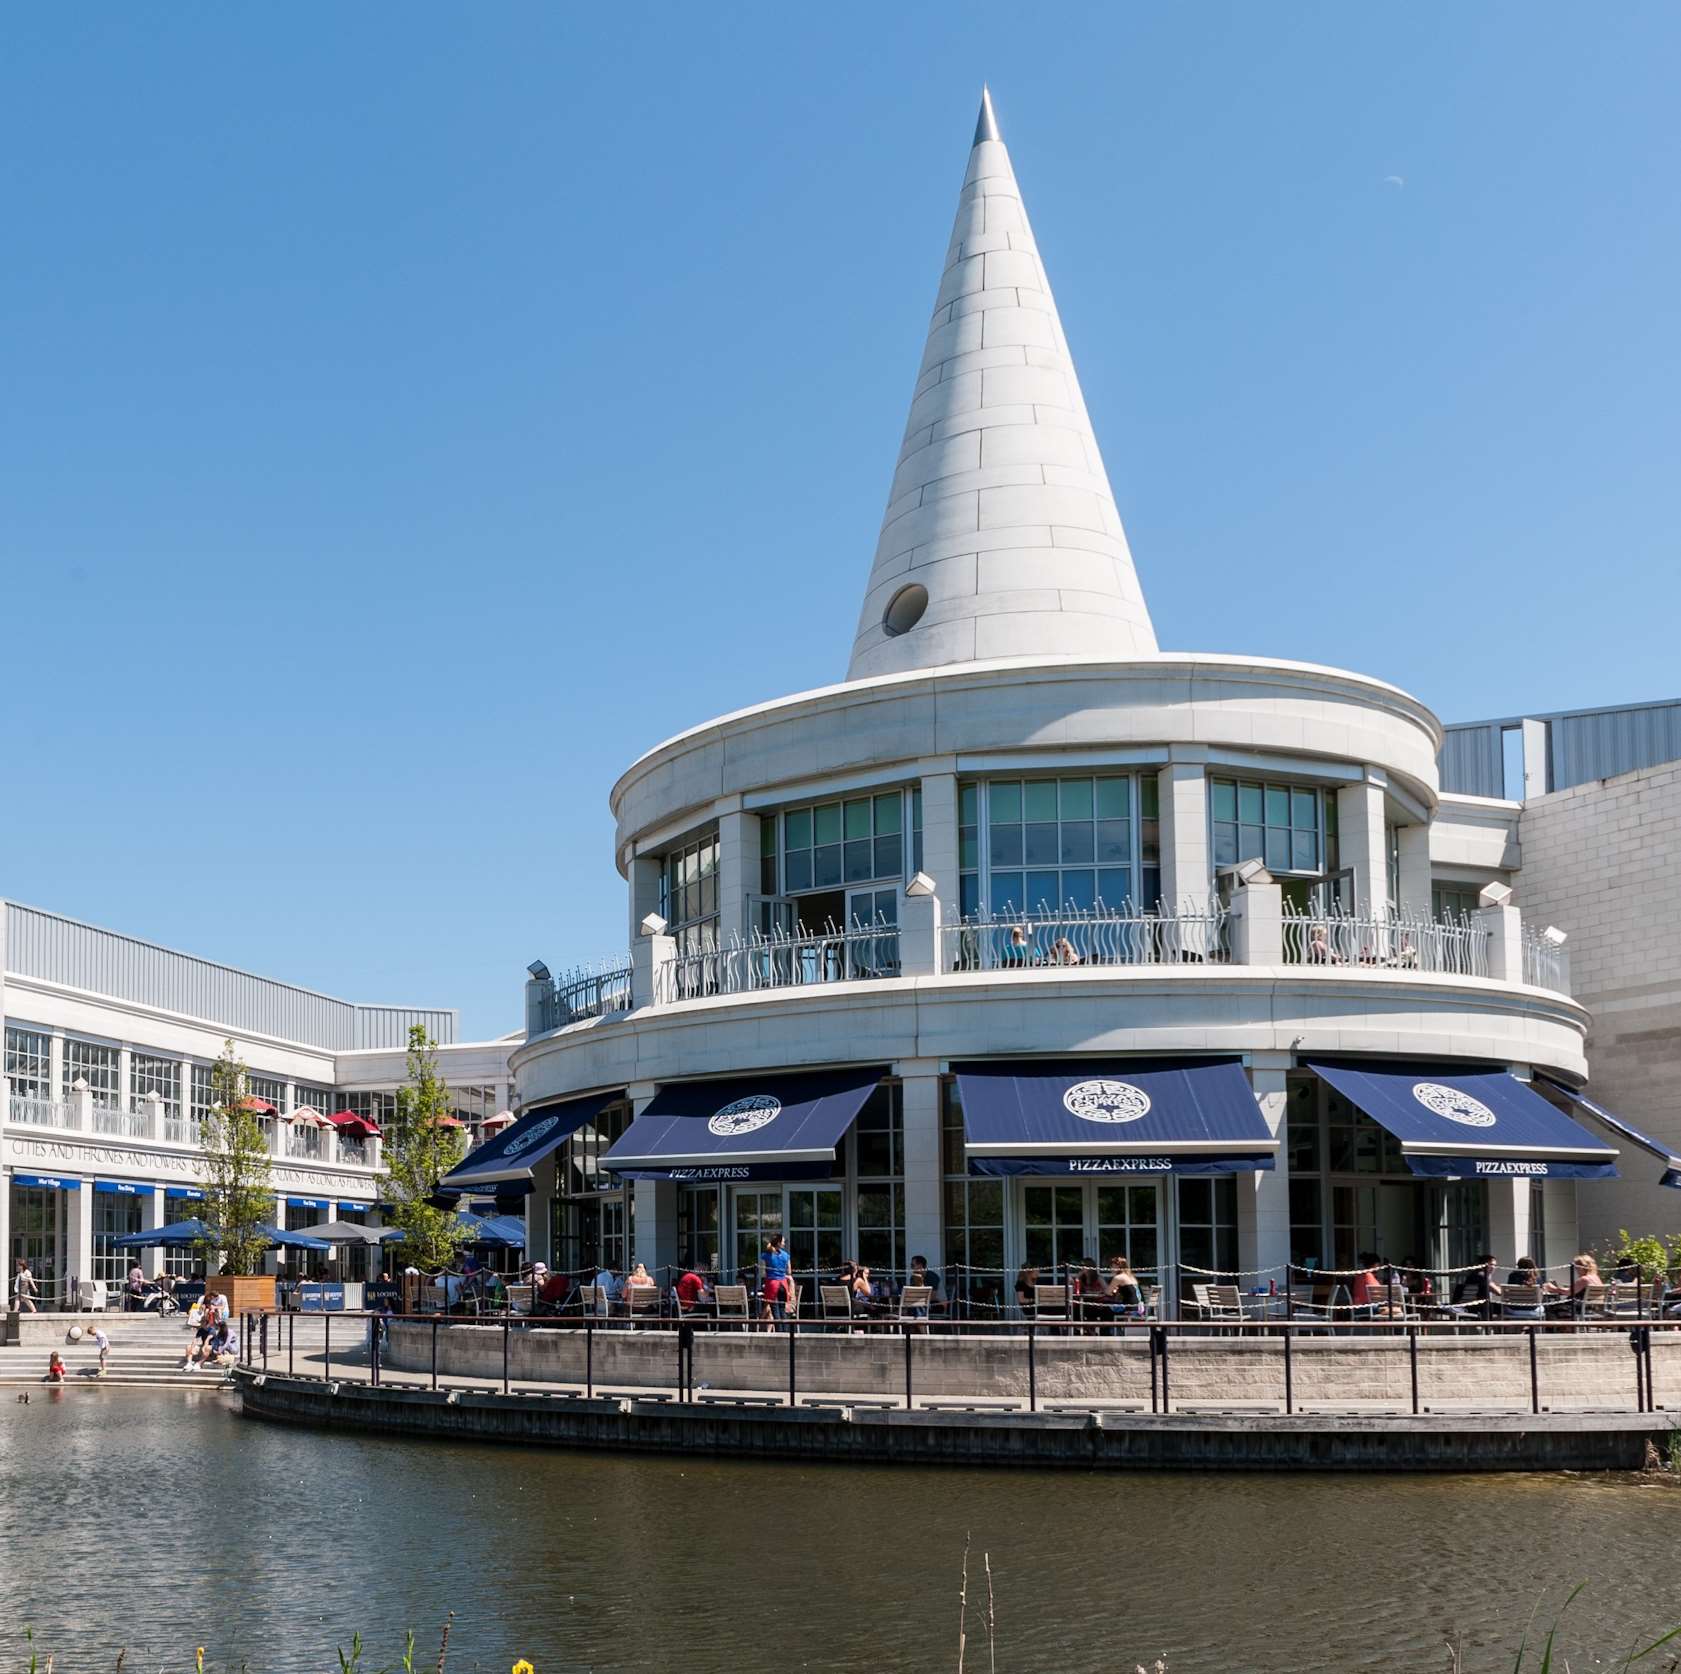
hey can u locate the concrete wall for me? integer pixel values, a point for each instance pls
(1576, 1369)
(1603, 862)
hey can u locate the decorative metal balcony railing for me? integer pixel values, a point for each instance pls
(588, 991)
(1195, 934)
(1544, 963)
(41, 1113)
(123, 1124)
(1450, 946)
(779, 960)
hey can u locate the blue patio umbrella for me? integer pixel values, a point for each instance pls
(501, 1232)
(170, 1237)
(179, 1234)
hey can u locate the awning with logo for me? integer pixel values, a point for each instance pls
(1623, 1129)
(515, 1152)
(764, 1127)
(1113, 1117)
(1471, 1124)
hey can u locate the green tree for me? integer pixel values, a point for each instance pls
(420, 1149)
(234, 1168)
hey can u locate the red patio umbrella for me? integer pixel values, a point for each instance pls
(357, 1127)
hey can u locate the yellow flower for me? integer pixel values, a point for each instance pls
(523, 1667)
(198, 1660)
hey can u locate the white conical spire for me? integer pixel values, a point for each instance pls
(1000, 510)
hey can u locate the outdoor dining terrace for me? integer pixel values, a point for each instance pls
(1046, 939)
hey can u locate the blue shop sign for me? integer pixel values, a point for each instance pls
(123, 1188)
(314, 1298)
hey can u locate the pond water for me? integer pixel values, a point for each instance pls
(162, 1521)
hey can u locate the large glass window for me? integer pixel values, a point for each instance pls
(1454, 900)
(1280, 825)
(832, 843)
(162, 1076)
(86, 1060)
(1057, 845)
(879, 1157)
(689, 895)
(184, 1260)
(29, 1063)
(1208, 1222)
(699, 1223)
(592, 1213)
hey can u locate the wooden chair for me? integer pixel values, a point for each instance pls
(1050, 1304)
(642, 1302)
(1622, 1296)
(1520, 1301)
(836, 1302)
(732, 1305)
(520, 1299)
(1591, 1303)
(791, 1307)
(1153, 1302)
(586, 1299)
(432, 1299)
(915, 1301)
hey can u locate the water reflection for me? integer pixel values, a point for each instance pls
(162, 1521)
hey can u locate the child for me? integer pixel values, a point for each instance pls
(103, 1344)
(55, 1367)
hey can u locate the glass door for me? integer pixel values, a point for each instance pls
(878, 955)
(816, 1233)
(35, 1238)
(115, 1214)
(758, 1214)
(1053, 1228)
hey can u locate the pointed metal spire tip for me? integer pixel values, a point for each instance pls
(986, 124)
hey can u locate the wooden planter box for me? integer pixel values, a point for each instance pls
(248, 1293)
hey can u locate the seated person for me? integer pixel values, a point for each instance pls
(1319, 950)
(135, 1289)
(1526, 1273)
(920, 1274)
(1418, 1280)
(55, 1368)
(1125, 1294)
(1092, 1290)
(863, 1291)
(1027, 1284)
(1016, 954)
(1371, 1294)
(1671, 1302)
(554, 1290)
(694, 1294)
(1475, 1291)
(495, 1290)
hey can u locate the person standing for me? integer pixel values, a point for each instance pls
(103, 1344)
(777, 1268)
(24, 1287)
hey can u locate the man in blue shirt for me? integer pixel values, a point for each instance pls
(776, 1267)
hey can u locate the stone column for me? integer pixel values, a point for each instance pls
(152, 1208)
(653, 1211)
(6, 1190)
(1263, 1199)
(1182, 789)
(1508, 1221)
(1256, 926)
(1413, 842)
(924, 1231)
(738, 872)
(1360, 832)
(1505, 942)
(641, 898)
(81, 1238)
(125, 1085)
(186, 1074)
(940, 858)
(56, 1089)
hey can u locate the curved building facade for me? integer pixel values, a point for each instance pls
(1030, 941)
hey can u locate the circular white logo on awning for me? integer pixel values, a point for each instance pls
(1453, 1104)
(1106, 1101)
(745, 1115)
(530, 1137)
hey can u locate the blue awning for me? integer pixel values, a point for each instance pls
(778, 1126)
(1114, 1116)
(516, 1151)
(1471, 1124)
(52, 1182)
(1623, 1130)
(123, 1188)
(192, 1194)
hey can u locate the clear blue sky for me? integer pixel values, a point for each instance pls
(411, 413)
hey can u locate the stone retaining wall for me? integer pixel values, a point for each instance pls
(1440, 1443)
(1575, 1368)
